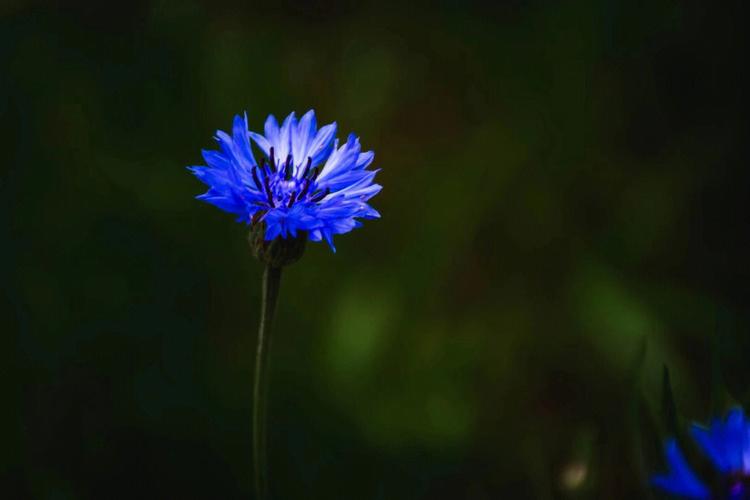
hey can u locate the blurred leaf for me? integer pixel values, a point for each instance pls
(668, 408)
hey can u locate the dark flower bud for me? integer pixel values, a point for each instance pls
(278, 252)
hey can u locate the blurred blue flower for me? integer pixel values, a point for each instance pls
(304, 181)
(727, 444)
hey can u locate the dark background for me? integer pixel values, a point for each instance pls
(565, 207)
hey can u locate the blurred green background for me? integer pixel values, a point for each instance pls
(564, 211)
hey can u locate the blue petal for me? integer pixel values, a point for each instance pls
(272, 230)
(341, 159)
(368, 192)
(328, 235)
(216, 160)
(341, 226)
(284, 144)
(369, 213)
(234, 170)
(734, 439)
(262, 143)
(226, 145)
(725, 443)
(271, 131)
(242, 143)
(322, 144)
(680, 480)
(302, 136)
(365, 159)
(226, 203)
(213, 177)
(315, 235)
(347, 179)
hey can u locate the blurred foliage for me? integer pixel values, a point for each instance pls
(564, 213)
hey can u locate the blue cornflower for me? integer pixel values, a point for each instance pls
(303, 183)
(727, 444)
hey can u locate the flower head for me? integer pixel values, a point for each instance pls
(303, 182)
(727, 444)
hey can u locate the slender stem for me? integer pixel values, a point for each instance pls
(271, 283)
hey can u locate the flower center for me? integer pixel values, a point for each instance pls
(283, 186)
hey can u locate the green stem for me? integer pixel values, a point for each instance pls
(271, 283)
